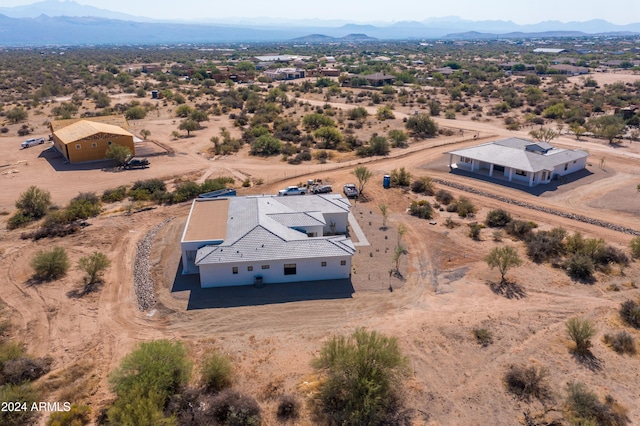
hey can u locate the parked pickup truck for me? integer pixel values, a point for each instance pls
(292, 190)
(136, 162)
(32, 142)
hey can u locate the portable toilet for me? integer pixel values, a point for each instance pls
(386, 181)
(154, 94)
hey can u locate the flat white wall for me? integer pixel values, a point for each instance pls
(340, 219)
(571, 167)
(221, 275)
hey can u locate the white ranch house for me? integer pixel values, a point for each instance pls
(519, 160)
(266, 239)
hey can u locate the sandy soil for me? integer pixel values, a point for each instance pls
(442, 296)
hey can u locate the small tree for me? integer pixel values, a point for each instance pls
(119, 153)
(503, 258)
(580, 331)
(398, 251)
(50, 265)
(384, 210)
(422, 126)
(544, 134)
(145, 134)
(189, 126)
(94, 266)
(34, 202)
(363, 175)
(17, 115)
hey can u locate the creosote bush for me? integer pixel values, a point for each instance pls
(635, 247)
(288, 408)
(630, 313)
(580, 331)
(232, 408)
(50, 264)
(421, 209)
(497, 218)
(217, 372)
(444, 197)
(621, 342)
(527, 382)
(584, 408)
(520, 228)
(483, 336)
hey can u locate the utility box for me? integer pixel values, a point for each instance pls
(386, 181)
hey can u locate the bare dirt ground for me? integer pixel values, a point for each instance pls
(442, 296)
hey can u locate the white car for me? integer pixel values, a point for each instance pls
(32, 142)
(350, 190)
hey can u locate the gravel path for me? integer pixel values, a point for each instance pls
(142, 282)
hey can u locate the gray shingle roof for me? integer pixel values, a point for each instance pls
(512, 152)
(260, 228)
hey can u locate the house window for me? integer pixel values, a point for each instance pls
(521, 173)
(323, 263)
(77, 146)
(235, 269)
(289, 268)
(566, 166)
(94, 145)
(249, 268)
(465, 160)
(265, 266)
(343, 262)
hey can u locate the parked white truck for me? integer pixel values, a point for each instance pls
(32, 142)
(292, 190)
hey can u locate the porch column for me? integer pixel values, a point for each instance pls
(490, 170)
(510, 173)
(473, 163)
(531, 174)
(450, 160)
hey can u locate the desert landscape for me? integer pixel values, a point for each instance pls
(459, 327)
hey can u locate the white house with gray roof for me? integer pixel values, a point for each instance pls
(519, 160)
(266, 239)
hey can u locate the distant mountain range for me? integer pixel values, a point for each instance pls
(69, 23)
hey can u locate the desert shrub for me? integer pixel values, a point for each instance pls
(23, 394)
(543, 245)
(584, 408)
(575, 243)
(78, 415)
(497, 218)
(34, 202)
(24, 369)
(135, 407)
(400, 177)
(609, 254)
(216, 184)
(630, 313)
(217, 372)
(114, 195)
(497, 235)
(184, 191)
(621, 342)
(93, 266)
(118, 153)
(18, 220)
(580, 331)
(483, 336)
(421, 209)
(143, 190)
(635, 247)
(527, 382)
(444, 197)
(474, 231)
(579, 266)
(452, 207)
(520, 228)
(363, 374)
(159, 367)
(10, 351)
(231, 408)
(288, 408)
(50, 264)
(465, 207)
(423, 185)
(83, 206)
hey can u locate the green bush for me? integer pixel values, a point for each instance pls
(34, 202)
(363, 374)
(474, 231)
(580, 332)
(50, 264)
(78, 415)
(217, 372)
(18, 220)
(288, 408)
(423, 185)
(483, 336)
(520, 229)
(527, 382)
(24, 394)
(93, 266)
(497, 218)
(465, 207)
(579, 267)
(444, 197)
(159, 367)
(543, 245)
(630, 313)
(118, 153)
(139, 408)
(114, 195)
(216, 184)
(83, 206)
(150, 189)
(622, 342)
(400, 177)
(584, 408)
(635, 247)
(10, 351)
(421, 209)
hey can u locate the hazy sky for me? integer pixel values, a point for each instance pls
(519, 11)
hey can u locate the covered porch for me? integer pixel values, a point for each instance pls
(499, 172)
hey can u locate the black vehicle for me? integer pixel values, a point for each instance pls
(136, 163)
